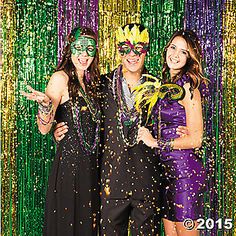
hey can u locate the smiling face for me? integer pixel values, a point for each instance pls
(132, 56)
(177, 54)
(133, 42)
(83, 50)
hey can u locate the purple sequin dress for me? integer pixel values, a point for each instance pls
(184, 175)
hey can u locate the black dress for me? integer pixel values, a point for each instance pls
(72, 202)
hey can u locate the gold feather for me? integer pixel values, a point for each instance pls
(133, 35)
(147, 94)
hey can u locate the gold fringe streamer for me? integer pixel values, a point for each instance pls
(112, 14)
(229, 104)
(8, 118)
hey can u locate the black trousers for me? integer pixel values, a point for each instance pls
(117, 215)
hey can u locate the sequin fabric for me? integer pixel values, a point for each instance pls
(72, 202)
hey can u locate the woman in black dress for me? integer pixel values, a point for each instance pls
(72, 202)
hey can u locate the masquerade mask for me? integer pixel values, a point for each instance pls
(132, 40)
(82, 44)
(126, 47)
(173, 91)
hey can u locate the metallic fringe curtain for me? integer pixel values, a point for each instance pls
(33, 33)
(36, 58)
(8, 119)
(72, 13)
(112, 14)
(228, 184)
(206, 19)
(162, 18)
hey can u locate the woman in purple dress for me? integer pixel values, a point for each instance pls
(184, 174)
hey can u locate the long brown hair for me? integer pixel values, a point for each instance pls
(193, 67)
(68, 67)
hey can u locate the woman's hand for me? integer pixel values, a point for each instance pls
(145, 136)
(37, 96)
(48, 101)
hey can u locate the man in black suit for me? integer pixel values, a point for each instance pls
(130, 176)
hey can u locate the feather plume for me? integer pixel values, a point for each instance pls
(147, 94)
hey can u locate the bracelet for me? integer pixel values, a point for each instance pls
(165, 145)
(46, 109)
(42, 119)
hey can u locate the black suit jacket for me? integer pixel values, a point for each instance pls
(125, 171)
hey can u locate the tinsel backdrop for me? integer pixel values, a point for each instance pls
(33, 35)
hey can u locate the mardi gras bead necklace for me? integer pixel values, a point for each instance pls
(88, 147)
(94, 110)
(125, 116)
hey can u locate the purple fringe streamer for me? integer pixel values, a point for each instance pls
(72, 13)
(205, 18)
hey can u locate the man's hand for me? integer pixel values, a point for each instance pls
(60, 130)
(182, 131)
